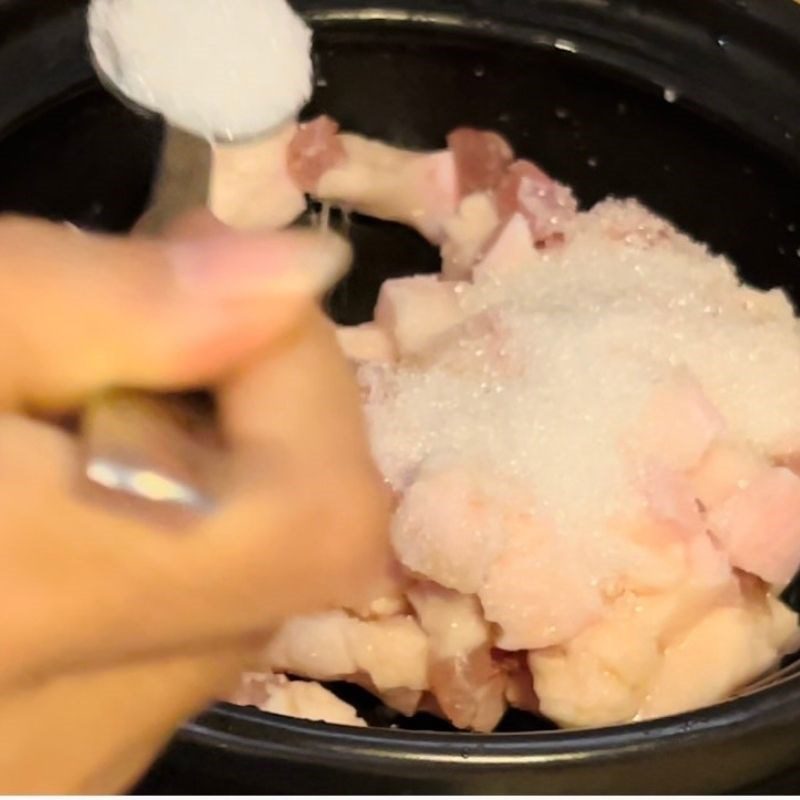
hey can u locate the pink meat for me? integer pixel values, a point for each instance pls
(373, 178)
(468, 234)
(722, 651)
(366, 343)
(387, 595)
(449, 529)
(415, 189)
(392, 652)
(520, 692)
(759, 526)
(656, 556)
(453, 622)
(725, 470)
(470, 690)
(482, 158)
(512, 248)
(254, 688)
(404, 701)
(679, 424)
(671, 499)
(535, 592)
(276, 694)
(548, 206)
(313, 151)
(468, 684)
(415, 312)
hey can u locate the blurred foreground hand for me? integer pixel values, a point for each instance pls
(114, 631)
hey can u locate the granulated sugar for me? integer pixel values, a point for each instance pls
(223, 69)
(547, 379)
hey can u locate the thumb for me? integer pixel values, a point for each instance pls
(83, 312)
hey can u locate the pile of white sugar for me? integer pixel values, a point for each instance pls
(222, 69)
(545, 382)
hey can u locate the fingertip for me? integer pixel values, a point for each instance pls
(236, 268)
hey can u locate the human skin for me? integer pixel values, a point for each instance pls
(113, 630)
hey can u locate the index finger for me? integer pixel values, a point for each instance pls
(83, 312)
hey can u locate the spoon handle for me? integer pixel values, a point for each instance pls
(182, 183)
(152, 454)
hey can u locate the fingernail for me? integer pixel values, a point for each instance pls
(236, 267)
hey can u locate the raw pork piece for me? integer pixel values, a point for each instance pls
(276, 694)
(251, 186)
(415, 312)
(417, 189)
(469, 686)
(366, 343)
(392, 652)
(679, 424)
(467, 235)
(725, 469)
(662, 654)
(511, 249)
(448, 528)
(314, 150)
(547, 206)
(482, 159)
(459, 198)
(536, 591)
(759, 526)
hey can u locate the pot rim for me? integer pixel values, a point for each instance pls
(248, 731)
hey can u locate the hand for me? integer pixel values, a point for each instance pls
(113, 631)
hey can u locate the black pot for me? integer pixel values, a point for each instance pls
(694, 107)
